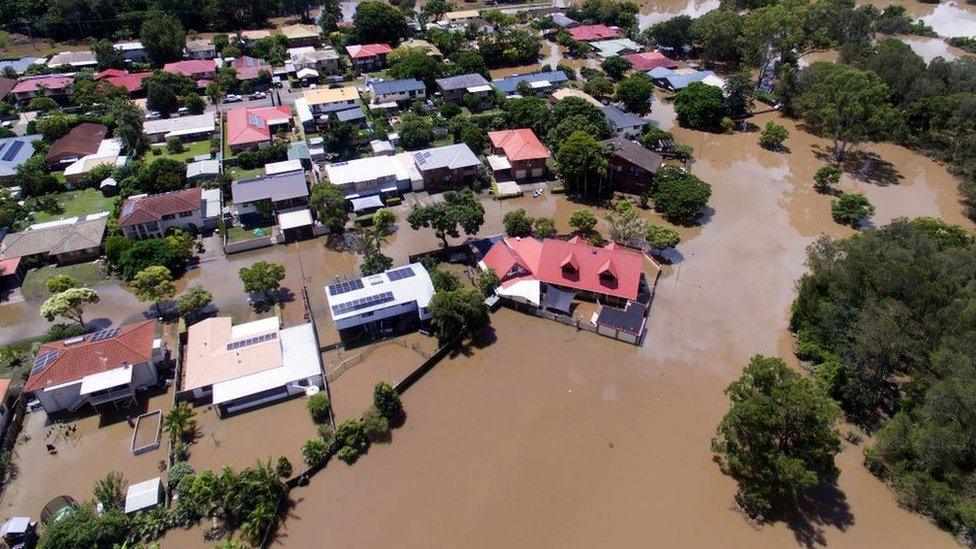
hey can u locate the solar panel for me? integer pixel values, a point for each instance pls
(127, 208)
(107, 333)
(251, 341)
(12, 151)
(400, 274)
(44, 359)
(362, 303)
(345, 287)
(255, 120)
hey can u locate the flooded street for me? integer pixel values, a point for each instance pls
(550, 437)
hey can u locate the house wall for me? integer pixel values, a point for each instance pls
(382, 314)
(78, 256)
(158, 228)
(369, 64)
(628, 178)
(202, 54)
(62, 398)
(446, 178)
(400, 97)
(526, 169)
(291, 389)
(326, 108)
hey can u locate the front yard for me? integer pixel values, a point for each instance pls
(190, 150)
(87, 274)
(75, 203)
(238, 234)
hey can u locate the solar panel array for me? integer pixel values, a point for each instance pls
(346, 287)
(107, 333)
(255, 120)
(251, 341)
(400, 274)
(362, 303)
(422, 157)
(44, 359)
(12, 151)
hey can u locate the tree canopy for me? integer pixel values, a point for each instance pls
(700, 106)
(460, 210)
(163, 37)
(379, 22)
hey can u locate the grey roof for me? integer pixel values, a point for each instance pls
(199, 45)
(396, 86)
(636, 154)
(621, 119)
(350, 115)
(72, 58)
(19, 65)
(510, 84)
(278, 187)
(461, 81)
(202, 168)
(562, 20)
(14, 151)
(298, 151)
(452, 157)
(629, 319)
(205, 122)
(55, 239)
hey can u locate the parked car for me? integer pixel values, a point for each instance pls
(182, 111)
(259, 95)
(153, 115)
(233, 98)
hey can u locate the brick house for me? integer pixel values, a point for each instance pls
(517, 154)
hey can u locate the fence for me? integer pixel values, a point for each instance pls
(584, 325)
(250, 244)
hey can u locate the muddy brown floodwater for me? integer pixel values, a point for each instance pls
(550, 437)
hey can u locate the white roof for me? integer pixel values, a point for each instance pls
(368, 169)
(366, 202)
(477, 89)
(15, 525)
(540, 84)
(498, 162)
(109, 151)
(283, 167)
(713, 80)
(143, 495)
(508, 188)
(380, 146)
(528, 290)
(303, 110)
(408, 284)
(180, 125)
(307, 73)
(106, 380)
(297, 218)
(300, 360)
(211, 197)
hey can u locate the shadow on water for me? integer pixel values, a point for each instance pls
(863, 166)
(828, 508)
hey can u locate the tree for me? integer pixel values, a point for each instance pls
(433, 10)
(444, 281)
(582, 221)
(826, 178)
(170, 252)
(330, 15)
(106, 55)
(83, 528)
(773, 31)
(847, 105)
(161, 98)
(42, 103)
(53, 127)
(416, 132)
(379, 22)
(163, 38)
(544, 227)
(341, 138)
(739, 92)
(387, 402)
(59, 283)
(851, 209)
(406, 62)
(599, 87)
(528, 112)
(487, 282)
(350, 440)
(180, 421)
(329, 205)
(458, 313)
(517, 223)
(661, 238)
(70, 304)
(110, 491)
(700, 106)
(627, 226)
(717, 36)
(672, 33)
(581, 158)
(615, 66)
(314, 451)
(460, 210)
(192, 302)
(680, 196)
(194, 103)
(12, 213)
(154, 284)
(262, 277)
(773, 136)
(319, 407)
(33, 178)
(469, 61)
(375, 426)
(302, 8)
(635, 92)
(778, 439)
(128, 124)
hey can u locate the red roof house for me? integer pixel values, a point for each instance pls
(517, 154)
(43, 85)
(248, 127)
(650, 60)
(248, 68)
(132, 82)
(151, 215)
(196, 69)
(368, 57)
(588, 33)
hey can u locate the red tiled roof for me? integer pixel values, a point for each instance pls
(248, 68)
(247, 125)
(4, 387)
(650, 60)
(6, 84)
(521, 144)
(132, 345)
(548, 260)
(146, 209)
(81, 140)
(132, 82)
(49, 82)
(190, 67)
(359, 51)
(586, 33)
(9, 266)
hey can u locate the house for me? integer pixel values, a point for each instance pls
(236, 368)
(301, 35)
(539, 82)
(187, 128)
(517, 154)
(616, 46)
(324, 61)
(397, 91)
(55, 86)
(132, 82)
(448, 167)
(132, 51)
(109, 153)
(416, 43)
(200, 70)
(76, 59)
(151, 215)
(563, 21)
(632, 166)
(282, 191)
(679, 79)
(550, 274)
(368, 57)
(202, 170)
(566, 93)
(328, 100)
(454, 88)
(14, 151)
(590, 33)
(624, 122)
(63, 242)
(201, 49)
(394, 301)
(21, 65)
(249, 37)
(108, 367)
(84, 139)
(460, 17)
(249, 68)
(648, 60)
(379, 175)
(253, 127)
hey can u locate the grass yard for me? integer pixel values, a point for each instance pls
(87, 274)
(75, 203)
(237, 234)
(237, 172)
(195, 148)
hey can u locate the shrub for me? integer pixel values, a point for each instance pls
(283, 467)
(680, 196)
(387, 401)
(773, 136)
(851, 209)
(174, 145)
(314, 451)
(178, 472)
(319, 407)
(60, 331)
(375, 426)
(351, 440)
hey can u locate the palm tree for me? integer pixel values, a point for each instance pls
(180, 421)
(601, 165)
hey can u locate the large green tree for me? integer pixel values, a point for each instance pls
(457, 313)
(460, 210)
(680, 196)
(635, 92)
(154, 284)
(329, 205)
(584, 162)
(379, 22)
(700, 106)
(163, 37)
(262, 277)
(69, 304)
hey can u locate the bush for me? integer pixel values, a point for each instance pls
(680, 196)
(157, 151)
(314, 451)
(283, 467)
(178, 472)
(375, 426)
(351, 440)
(174, 145)
(319, 407)
(773, 136)
(393, 201)
(387, 401)
(59, 331)
(851, 209)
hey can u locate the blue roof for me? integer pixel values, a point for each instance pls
(510, 84)
(350, 115)
(621, 119)
(14, 151)
(19, 65)
(678, 81)
(396, 86)
(660, 72)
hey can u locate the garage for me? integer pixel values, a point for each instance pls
(537, 172)
(520, 174)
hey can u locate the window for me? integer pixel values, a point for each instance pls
(167, 217)
(186, 214)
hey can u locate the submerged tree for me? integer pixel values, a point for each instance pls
(460, 210)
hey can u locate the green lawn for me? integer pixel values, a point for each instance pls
(195, 148)
(237, 234)
(87, 274)
(74, 203)
(237, 172)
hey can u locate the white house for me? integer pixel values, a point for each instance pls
(151, 215)
(376, 175)
(390, 302)
(397, 91)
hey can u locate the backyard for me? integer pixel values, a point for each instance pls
(238, 233)
(75, 203)
(190, 151)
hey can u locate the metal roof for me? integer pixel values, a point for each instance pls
(452, 157)
(510, 84)
(396, 86)
(461, 81)
(277, 187)
(621, 119)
